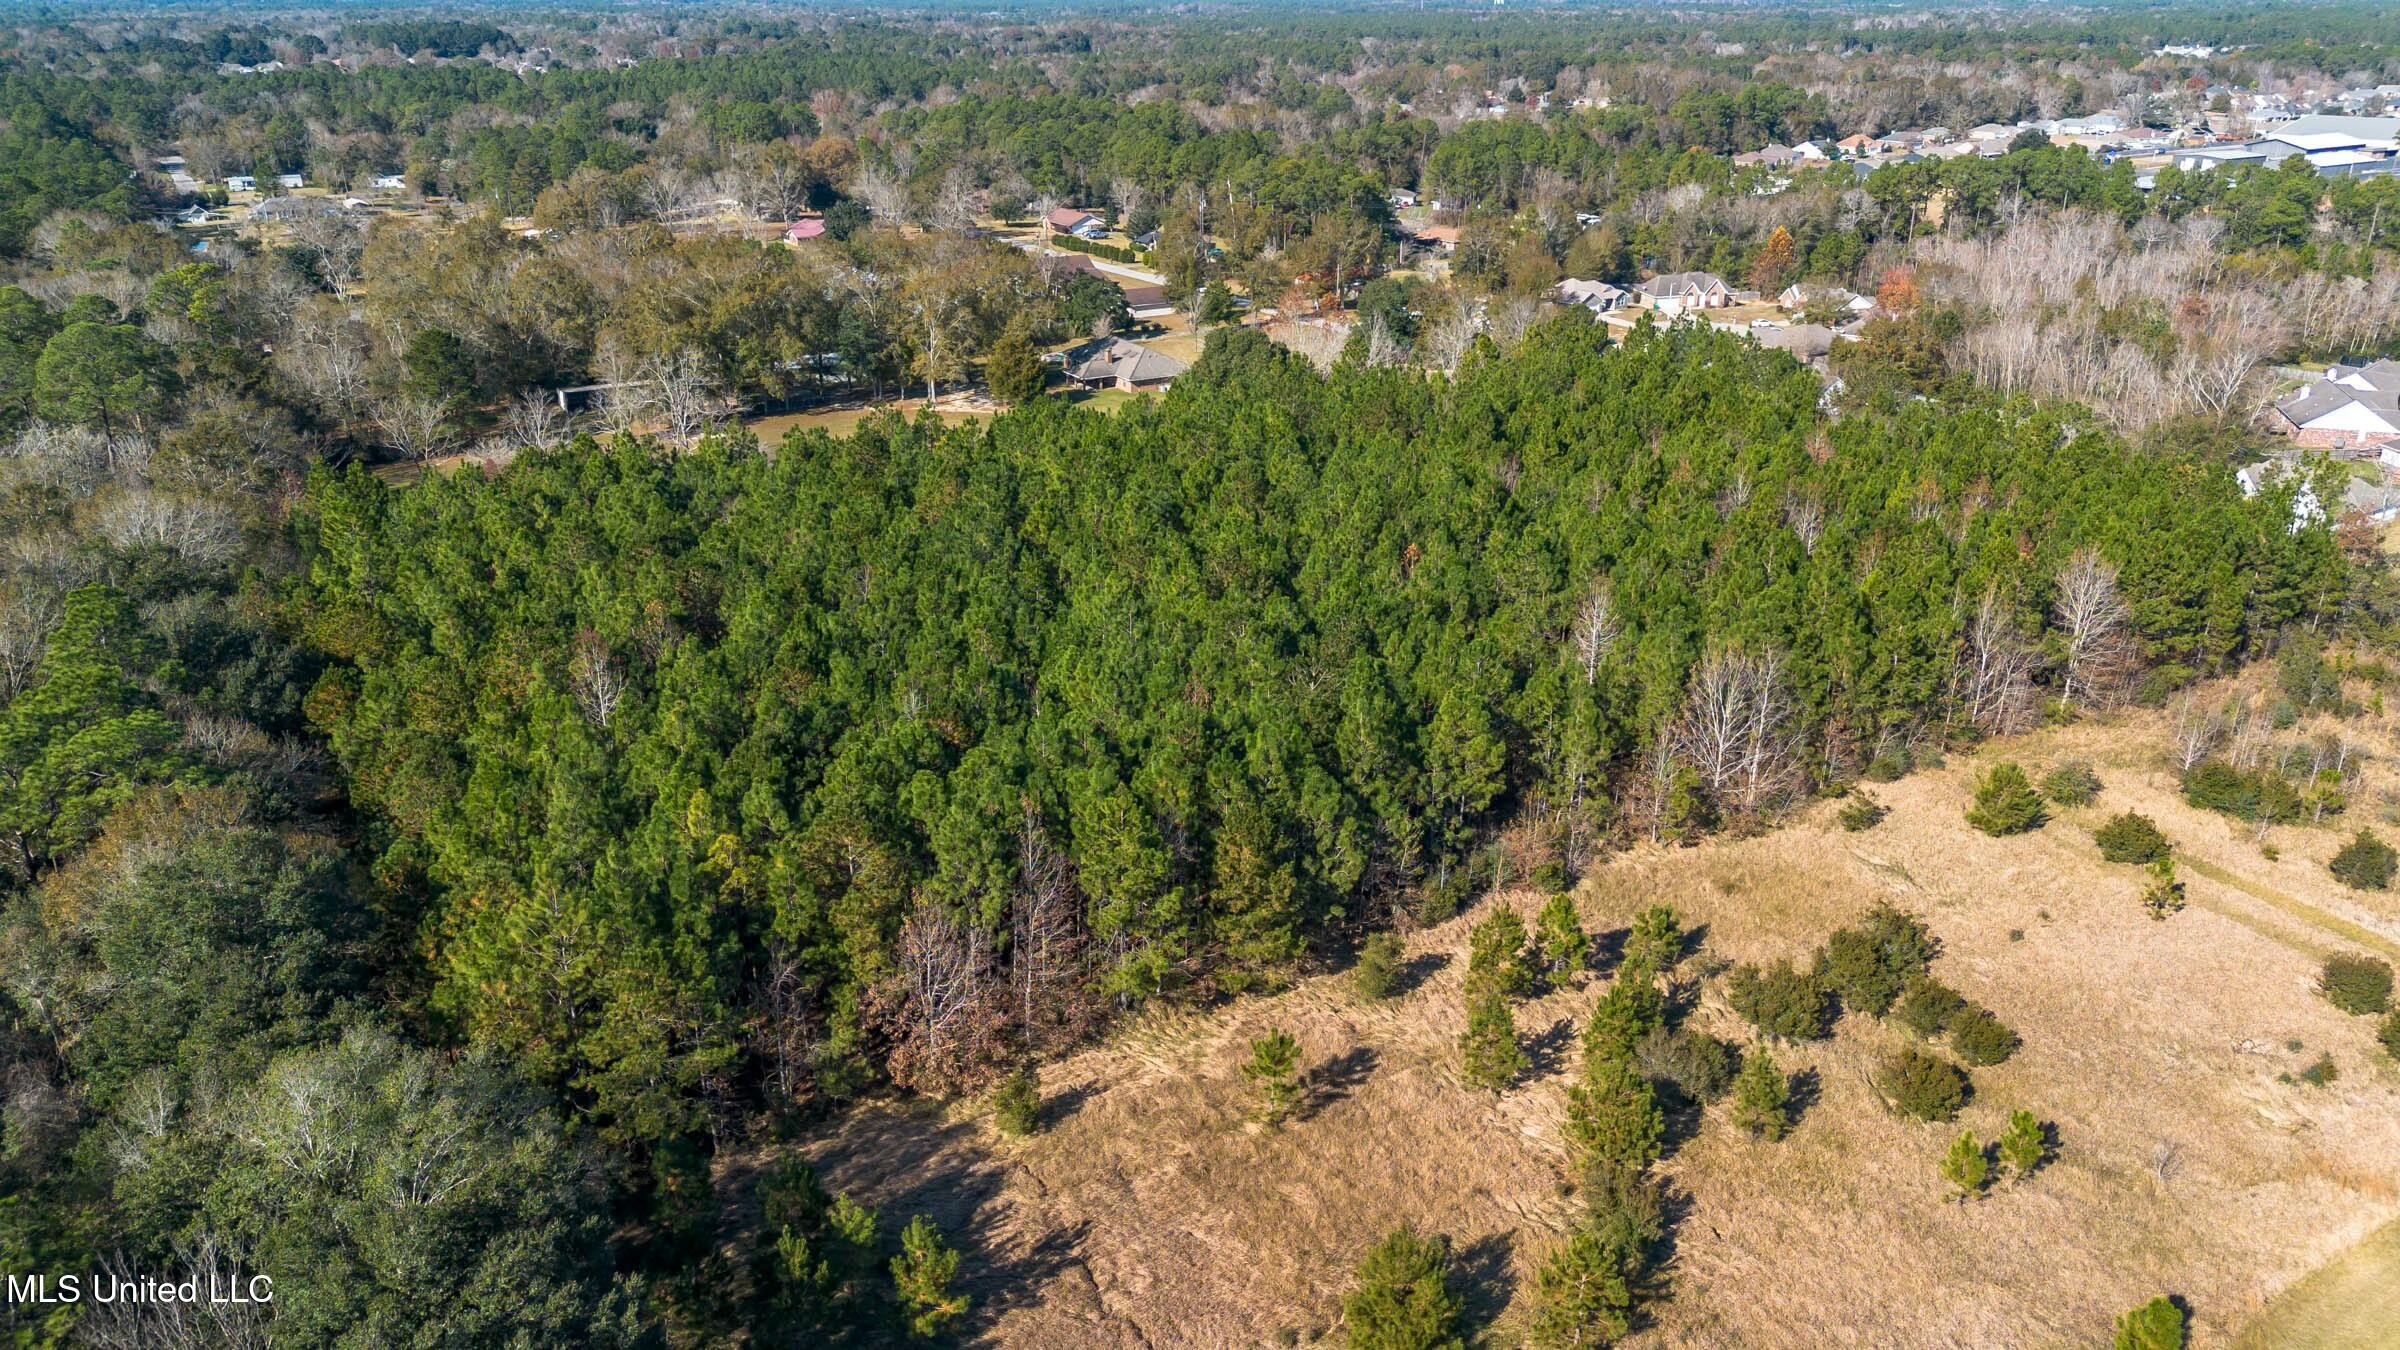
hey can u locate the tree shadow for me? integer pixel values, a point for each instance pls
(1483, 1277)
(1804, 1088)
(1608, 950)
(1061, 1106)
(1416, 970)
(1335, 1079)
(1546, 1051)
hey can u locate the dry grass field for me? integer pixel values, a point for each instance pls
(1149, 1214)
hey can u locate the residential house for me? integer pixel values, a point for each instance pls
(1081, 224)
(192, 215)
(1684, 292)
(1146, 302)
(2352, 409)
(1597, 296)
(1403, 198)
(290, 182)
(1807, 341)
(1148, 239)
(241, 182)
(388, 182)
(1115, 363)
(1802, 294)
(1810, 150)
(1859, 144)
(804, 229)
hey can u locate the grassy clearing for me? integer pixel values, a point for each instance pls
(2351, 1304)
(1149, 1214)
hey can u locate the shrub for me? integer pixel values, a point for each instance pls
(1980, 1038)
(1868, 963)
(1488, 1052)
(1925, 1086)
(1017, 1103)
(1762, 1096)
(2361, 985)
(1274, 1073)
(2388, 1034)
(2005, 802)
(1655, 941)
(1558, 933)
(2026, 1145)
(1496, 954)
(2215, 785)
(2156, 1325)
(1549, 875)
(2071, 784)
(1928, 1006)
(1378, 966)
(2130, 837)
(1890, 764)
(2365, 863)
(2320, 1074)
(1695, 1064)
(1965, 1166)
(1862, 812)
(1780, 1001)
(1404, 1299)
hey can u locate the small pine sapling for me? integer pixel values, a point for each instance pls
(1274, 1073)
(2025, 1146)
(1965, 1166)
(1762, 1096)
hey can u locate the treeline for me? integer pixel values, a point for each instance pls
(729, 774)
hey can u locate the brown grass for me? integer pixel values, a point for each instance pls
(1148, 1214)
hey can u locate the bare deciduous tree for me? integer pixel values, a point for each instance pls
(1596, 629)
(1736, 730)
(594, 678)
(2194, 733)
(1995, 671)
(415, 427)
(2092, 616)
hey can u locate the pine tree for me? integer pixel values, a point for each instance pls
(1655, 942)
(1488, 1051)
(1017, 1102)
(1558, 932)
(1404, 1299)
(2025, 1144)
(1378, 965)
(1496, 954)
(921, 1275)
(1966, 1167)
(1274, 1073)
(1613, 1118)
(1626, 1013)
(1762, 1096)
(2005, 802)
(1583, 1292)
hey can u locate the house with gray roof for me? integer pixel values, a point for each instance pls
(2354, 408)
(1115, 363)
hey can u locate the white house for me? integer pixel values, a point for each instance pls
(241, 182)
(290, 181)
(1684, 292)
(388, 182)
(2351, 408)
